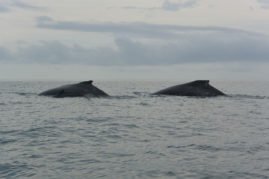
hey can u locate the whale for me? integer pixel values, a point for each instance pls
(198, 88)
(81, 89)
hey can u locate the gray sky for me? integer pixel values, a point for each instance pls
(135, 39)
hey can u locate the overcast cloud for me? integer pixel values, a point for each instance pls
(169, 5)
(144, 44)
(24, 5)
(3, 8)
(187, 49)
(151, 34)
(140, 29)
(175, 6)
(164, 45)
(7, 5)
(264, 3)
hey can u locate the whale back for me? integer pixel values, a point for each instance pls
(195, 88)
(85, 88)
(86, 82)
(197, 84)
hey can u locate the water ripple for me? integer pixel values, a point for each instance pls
(137, 135)
(15, 170)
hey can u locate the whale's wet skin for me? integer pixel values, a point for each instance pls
(134, 134)
(85, 88)
(199, 88)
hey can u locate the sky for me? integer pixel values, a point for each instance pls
(134, 39)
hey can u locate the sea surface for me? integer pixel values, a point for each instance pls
(133, 134)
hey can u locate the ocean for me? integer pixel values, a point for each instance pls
(133, 134)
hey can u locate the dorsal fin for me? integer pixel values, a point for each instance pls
(200, 83)
(86, 82)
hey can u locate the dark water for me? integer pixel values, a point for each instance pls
(134, 134)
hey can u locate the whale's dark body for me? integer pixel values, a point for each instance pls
(85, 88)
(200, 88)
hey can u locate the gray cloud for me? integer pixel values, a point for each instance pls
(3, 8)
(5, 54)
(146, 44)
(128, 52)
(44, 19)
(168, 6)
(172, 6)
(57, 53)
(264, 4)
(24, 5)
(134, 29)
(7, 5)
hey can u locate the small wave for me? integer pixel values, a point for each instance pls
(15, 170)
(8, 132)
(170, 174)
(143, 104)
(186, 97)
(197, 147)
(97, 120)
(207, 148)
(87, 161)
(159, 174)
(24, 93)
(142, 94)
(181, 146)
(2, 104)
(36, 132)
(245, 96)
(19, 102)
(130, 126)
(7, 141)
(247, 174)
(114, 136)
(90, 96)
(116, 155)
(122, 97)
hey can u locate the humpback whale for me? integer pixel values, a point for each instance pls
(85, 88)
(199, 88)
